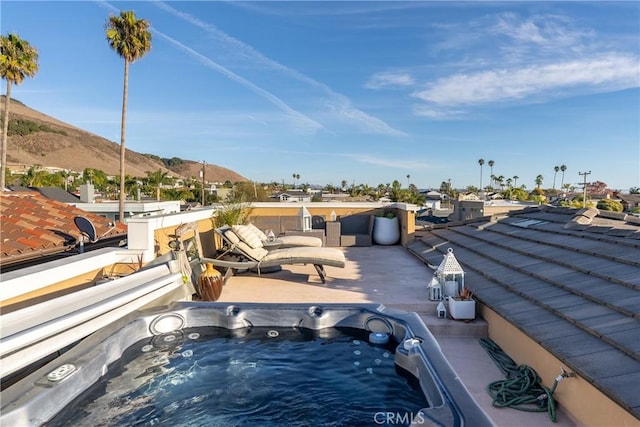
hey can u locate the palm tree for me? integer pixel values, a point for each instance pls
(18, 59)
(538, 180)
(130, 38)
(481, 163)
(562, 168)
(408, 182)
(556, 169)
(515, 180)
(156, 179)
(491, 163)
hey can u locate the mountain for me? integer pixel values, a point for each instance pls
(49, 142)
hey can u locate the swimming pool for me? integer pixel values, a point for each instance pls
(280, 364)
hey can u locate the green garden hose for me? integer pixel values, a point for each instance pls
(522, 389)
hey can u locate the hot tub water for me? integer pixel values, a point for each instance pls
(253, 376)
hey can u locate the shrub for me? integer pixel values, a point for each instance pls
(609, 205)
(231, 214)
(26, 127)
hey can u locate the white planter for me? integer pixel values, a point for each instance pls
(386, 231)
(462, 310)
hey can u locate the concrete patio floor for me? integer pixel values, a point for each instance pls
(390, 275)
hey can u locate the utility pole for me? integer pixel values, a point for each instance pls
(202, 174)
(584, 188)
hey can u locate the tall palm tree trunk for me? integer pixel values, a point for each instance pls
(123, 131)
(5, 137)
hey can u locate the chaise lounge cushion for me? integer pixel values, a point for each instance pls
(256, 253)
(306, 255)
(259, 232)
(298, 241)
(248, 235)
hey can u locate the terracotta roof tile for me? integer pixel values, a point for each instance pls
(31, 223)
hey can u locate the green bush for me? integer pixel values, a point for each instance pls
(609, 205)
(26, 127)
(231, 214)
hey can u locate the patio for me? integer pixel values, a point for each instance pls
(390, 275)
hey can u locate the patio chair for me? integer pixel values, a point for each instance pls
(242, 253)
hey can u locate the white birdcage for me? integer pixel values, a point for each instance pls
(441, 310)
(435, 289)
(450, 275)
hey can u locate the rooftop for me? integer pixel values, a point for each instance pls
(372, 274)
(568, 279)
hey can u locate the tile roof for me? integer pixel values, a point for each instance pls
(569, 279)
(32, 225)
(53, 193)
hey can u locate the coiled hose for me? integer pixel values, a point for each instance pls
(522, 389)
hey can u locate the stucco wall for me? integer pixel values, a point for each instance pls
(581, 400)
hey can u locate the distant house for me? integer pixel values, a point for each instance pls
(468, 196)
(110, 209)
(432, 199)
(292, 196)
(629, 201)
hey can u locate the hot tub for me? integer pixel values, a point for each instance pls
(163, 353)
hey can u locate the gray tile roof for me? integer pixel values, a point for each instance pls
(569, 279)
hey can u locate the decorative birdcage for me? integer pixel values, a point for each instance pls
(450, 275)
(441, 310)
(435, 289)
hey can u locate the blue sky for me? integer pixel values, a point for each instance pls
(367, 92)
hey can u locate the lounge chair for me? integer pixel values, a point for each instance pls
(281, 242)
(249, 254)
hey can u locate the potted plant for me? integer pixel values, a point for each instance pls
(386, 229)
(231, 214)
(463, 306)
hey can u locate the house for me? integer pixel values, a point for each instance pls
(292, 196)
(432, 199)
(629, 201)
(111, 208)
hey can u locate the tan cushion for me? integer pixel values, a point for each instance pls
(247, 235)
(255, 253)
(307, 254)
(300, 241)
(259, 232)
(233, 237)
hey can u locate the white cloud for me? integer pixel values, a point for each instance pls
(302, 121)
(385, 79)
(547, 30)
(439, 113)
(359, 117)
(387, 162)
(606, 73)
